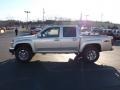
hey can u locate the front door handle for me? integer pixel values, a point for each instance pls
(56, 39)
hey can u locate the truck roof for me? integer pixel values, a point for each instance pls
(61, 26)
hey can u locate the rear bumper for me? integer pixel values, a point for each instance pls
(11, 50)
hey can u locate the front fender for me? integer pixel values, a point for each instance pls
(21, 42)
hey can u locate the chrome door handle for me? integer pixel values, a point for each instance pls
(56, 40)
(74, 39)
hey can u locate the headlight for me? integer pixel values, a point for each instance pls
(11, 43)
(2, 31)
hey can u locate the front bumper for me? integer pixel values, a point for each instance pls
(11, 50)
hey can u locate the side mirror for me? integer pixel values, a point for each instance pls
(43, 35)
(39, 35)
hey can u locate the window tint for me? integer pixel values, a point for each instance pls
(51, 32)
(69, 31)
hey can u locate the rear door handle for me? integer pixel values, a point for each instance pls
(74, 39)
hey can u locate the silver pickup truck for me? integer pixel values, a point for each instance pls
(60, 39)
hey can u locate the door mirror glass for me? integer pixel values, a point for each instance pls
(39, 35)
(43, 35)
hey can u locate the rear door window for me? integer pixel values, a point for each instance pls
(69, 31)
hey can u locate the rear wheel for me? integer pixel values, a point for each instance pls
(23, 54)
(90, 54)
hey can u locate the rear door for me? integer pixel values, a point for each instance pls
(70, 40)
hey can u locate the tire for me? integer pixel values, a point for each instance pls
(23, 54)
(90, 54)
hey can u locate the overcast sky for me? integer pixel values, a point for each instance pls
(107, 10)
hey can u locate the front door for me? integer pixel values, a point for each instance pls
(49, 40)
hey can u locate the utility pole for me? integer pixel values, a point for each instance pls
(27, 12)
(43, 16)
(86, 20)
(86, 17)
(81, 19)
(81, 16)
(101, 17)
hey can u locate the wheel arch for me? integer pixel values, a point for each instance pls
(27, 45)
(98, 46)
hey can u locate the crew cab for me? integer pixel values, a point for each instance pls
(61, 39)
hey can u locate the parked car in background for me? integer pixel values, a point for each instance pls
(35, 30)
(116, 33)
(96, 31)
(11, 28)
(2, 29)
(85, 31)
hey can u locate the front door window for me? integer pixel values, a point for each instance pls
(51, 32)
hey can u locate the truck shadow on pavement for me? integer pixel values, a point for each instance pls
(38, 75)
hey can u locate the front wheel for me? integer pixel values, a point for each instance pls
(90, 54)
(23, 54)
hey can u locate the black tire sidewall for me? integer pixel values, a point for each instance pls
(86, 51)
(29, 53)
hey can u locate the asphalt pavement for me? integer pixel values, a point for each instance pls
(58, 71)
